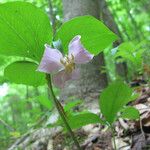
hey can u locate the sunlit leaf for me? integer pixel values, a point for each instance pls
(95, 36)
(130, 113)
(24, 29)
(79, 120)
(113, 98)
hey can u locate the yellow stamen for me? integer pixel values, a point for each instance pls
(68, 63)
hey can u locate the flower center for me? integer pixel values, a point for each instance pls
(68, 63)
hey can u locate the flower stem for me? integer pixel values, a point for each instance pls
(61, 111)
(113, 136)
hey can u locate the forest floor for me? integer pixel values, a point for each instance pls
(129, 135)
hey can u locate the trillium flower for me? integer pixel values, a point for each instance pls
(63, 68)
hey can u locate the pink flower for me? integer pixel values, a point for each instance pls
(64, 68)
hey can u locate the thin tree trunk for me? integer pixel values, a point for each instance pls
(52, 15)
(124, 30)
(138, 33)
(91, 80)
(107, 17)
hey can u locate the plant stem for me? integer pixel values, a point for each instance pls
(61, 111)
(113, 136)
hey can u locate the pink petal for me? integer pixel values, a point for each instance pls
(51, 60)
(78, 51)
(75, 74)
(60, 78)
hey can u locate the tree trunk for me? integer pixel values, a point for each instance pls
(91, 80)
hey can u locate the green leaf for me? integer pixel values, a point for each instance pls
(44, 100)
(71, 105)
(131, 51)
(24, 72)
(24, 30)
(95, 36)
(134, 96)
(130, 113)
(127, 46)
(79, 120)
(113, 98)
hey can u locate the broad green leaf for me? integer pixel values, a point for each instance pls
(24, 72)
(113, 98)
(45, 101)
(130, 113)
(79, 120)
(95, 36)
(24, 30)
